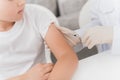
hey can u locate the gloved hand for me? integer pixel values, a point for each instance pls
(97, 35)
(71, 37)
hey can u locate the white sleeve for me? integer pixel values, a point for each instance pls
(116, 40)
(44, 18)
(94, 21)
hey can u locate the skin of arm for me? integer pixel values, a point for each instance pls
(67, 60)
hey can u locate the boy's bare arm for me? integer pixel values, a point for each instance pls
(66, 57)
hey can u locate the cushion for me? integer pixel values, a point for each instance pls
(70, 21)
(50, 4)
(70, 6)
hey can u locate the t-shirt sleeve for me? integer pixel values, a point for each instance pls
(44, 19)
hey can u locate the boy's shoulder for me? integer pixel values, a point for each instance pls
(34, 8)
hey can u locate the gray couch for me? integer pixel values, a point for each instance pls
(67, 13)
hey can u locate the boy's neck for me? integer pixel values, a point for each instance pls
(5, 26)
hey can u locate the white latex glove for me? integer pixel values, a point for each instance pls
(97, 35)
(71, 36)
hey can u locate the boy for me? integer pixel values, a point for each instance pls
(23, 31)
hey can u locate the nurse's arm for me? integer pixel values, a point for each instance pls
(67, 60)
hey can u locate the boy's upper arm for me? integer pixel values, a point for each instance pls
(57, 43)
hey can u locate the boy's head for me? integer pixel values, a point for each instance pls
(11, 10)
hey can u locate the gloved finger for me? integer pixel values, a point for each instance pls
(88, 34)
(91, 39)
(85, 37)
(88, 41)
(65, 30)
(91, 45)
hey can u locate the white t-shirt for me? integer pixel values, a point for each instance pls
(23, 46)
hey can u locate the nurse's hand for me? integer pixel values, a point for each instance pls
(39, 72)
(97, 35)
(71, 36)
